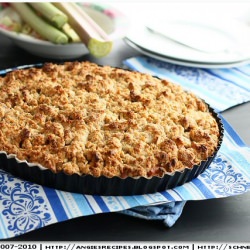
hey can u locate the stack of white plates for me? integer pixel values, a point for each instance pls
(193, 42)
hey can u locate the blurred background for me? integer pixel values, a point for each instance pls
(143, 10)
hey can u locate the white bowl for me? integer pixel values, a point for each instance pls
(110, 19)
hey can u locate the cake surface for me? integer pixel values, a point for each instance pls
(82, 118)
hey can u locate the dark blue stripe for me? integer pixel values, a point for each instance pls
(101, 203)
(167, 195)
(55, 204)
(203, 189)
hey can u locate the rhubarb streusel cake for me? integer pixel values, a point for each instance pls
(98, 129)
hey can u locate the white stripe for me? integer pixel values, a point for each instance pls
(137, 65)
(125, 203)
(93, 204)
(69, 204)
(149, 198)
(158, 197)
(243, 151)
(196, 192)
(144, 199)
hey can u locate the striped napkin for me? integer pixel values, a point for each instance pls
(26, 206)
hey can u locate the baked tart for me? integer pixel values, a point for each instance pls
(92, 129)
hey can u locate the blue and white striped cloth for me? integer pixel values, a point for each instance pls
(26, 206)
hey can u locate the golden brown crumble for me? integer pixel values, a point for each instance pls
(86, 119)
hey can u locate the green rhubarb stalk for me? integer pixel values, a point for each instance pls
(43, 28)
(73, 37)
(50, 13)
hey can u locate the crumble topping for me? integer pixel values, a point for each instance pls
(82, 118)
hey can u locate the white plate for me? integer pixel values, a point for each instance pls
(186, 63)
(110, 19)
(233, 34)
